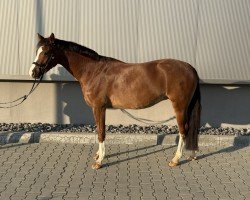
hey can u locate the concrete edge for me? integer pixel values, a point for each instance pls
(92, 138)
(208, 140)
(118, 138)
(8, 137)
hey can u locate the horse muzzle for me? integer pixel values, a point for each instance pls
(35, 72)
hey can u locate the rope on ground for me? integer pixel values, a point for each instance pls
(146, 121)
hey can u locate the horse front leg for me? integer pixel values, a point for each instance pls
(99, 114)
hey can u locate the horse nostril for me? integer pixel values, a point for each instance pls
(33, 74)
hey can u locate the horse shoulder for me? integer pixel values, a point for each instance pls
(95, 89)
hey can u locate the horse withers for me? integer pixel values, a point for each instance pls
(110, 83)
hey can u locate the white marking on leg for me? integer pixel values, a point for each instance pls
(101, 152)
(96, 156)
(40, 50)
(179, 151)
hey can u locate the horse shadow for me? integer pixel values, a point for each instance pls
(136, 156)
(238, 143)
(70, 102)
(76, 108)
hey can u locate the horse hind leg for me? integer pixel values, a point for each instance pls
(175, 161)
(181, 117)
(192, 156)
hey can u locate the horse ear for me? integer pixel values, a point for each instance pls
(39, 37)
(52, 38)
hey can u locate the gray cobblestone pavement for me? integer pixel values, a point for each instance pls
(63, 171)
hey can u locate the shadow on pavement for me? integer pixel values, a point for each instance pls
(134, 157)
(237, 145)
(7, 146)
(133, 150)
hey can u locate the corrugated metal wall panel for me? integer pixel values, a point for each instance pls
(9, 62)
(212, 35)
(167, 29)
(26, 33)
(110, 27)
(223, 50)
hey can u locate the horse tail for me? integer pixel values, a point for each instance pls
(194, 114)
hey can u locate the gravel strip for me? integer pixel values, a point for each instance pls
(45, 127)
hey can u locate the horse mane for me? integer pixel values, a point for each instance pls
(71, 46)
(85, 51)
(74, 47)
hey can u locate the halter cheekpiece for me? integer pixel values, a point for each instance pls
(43, 67)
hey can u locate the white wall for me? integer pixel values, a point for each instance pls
(63, 103)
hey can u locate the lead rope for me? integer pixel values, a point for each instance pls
(146, 121)
(24, 97)
(34, 86)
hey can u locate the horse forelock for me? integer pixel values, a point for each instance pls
(42, 43)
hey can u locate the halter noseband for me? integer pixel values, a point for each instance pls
(43, 67)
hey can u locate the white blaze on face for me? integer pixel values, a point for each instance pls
(40, 50)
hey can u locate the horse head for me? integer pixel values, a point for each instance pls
(46, 56)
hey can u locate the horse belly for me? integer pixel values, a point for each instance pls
(136, 87)
(135, 100)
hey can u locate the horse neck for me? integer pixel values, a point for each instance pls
(78, 65)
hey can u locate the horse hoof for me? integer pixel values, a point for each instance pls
(190, 158)
(172, 164)
(96, 157)
(96, 166)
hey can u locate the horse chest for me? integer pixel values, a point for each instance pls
(93, 92)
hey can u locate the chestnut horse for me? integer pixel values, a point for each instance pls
(110, 83)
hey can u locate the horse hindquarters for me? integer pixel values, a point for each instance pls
(194, 113)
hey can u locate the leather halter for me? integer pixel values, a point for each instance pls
(42, 67)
